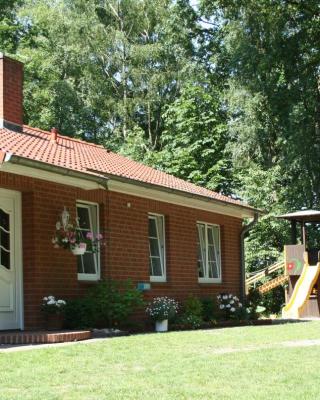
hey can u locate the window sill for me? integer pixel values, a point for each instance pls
(209, 280)
(158, 279)
(88, 278)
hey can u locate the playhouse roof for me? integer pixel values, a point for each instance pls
(302, 216)
(77, 155)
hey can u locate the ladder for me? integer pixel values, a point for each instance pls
(279, 280)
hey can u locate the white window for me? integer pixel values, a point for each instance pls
(157, 248)
(89, 263)
(209, 260)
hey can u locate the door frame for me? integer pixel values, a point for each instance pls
(15, 197)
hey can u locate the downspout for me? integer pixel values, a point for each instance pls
(244, 231)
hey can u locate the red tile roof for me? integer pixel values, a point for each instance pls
(78, 155)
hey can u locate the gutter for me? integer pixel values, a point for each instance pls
(244, 232)
(103, 179)
(147, 185)
(26, 162)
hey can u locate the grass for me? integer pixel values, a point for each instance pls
(234, 363)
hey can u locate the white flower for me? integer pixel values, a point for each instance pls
(221, 306)
(230, 296)
(50, 302)
(240, 304)
(58, 225)
(45, 299)
(232, 309)
(231, 301)
(236, 298)
(225, 297)
(228, 306)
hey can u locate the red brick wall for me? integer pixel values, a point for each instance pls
(128, 251)
(53, 271)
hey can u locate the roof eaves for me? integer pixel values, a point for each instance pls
(27, 162)
(184, 193)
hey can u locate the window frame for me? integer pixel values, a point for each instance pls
(89, 205)
(163, 257)
(206, 278)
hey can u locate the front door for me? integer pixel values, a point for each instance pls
(10, 260)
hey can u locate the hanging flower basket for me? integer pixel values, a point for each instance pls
(79, 249)
(70, 237)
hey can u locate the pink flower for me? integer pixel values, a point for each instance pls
(89, 235)
(99, 236)
(82, 245)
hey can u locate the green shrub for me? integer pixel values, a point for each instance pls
(193, 306)
(79, 314)
(192, 313)
(255, 302)
(114, 302)
(208, 309)
(108, 304)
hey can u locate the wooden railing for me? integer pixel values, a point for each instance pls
(265, 272)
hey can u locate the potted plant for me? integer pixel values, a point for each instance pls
(53, 310)
(69, 236)
(161, 309)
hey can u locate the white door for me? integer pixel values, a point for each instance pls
(10, 260)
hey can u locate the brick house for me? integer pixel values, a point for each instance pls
(163, 232)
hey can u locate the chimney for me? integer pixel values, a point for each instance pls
(54, 135)
(11, 98)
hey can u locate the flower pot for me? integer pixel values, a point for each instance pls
(162, 326)
(79, 249)
(54, 322)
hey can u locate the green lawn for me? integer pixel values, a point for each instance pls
(235, 363)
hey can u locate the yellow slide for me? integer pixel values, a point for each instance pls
(302, 291)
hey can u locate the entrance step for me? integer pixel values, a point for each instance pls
(36, 337)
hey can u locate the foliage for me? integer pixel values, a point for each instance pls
(162, 308)
(208, 309)
(114, 302)
(229, 304)
(80, 313)
(107, 304)
(192, 313)
(70, 236)
(51, 305)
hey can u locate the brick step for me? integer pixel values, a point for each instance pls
(25, 337)
(279, 280)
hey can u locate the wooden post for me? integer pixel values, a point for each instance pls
(293, 232)
(303, 235)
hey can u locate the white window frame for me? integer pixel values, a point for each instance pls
(162, 252)
(88, 205)
(206, 278)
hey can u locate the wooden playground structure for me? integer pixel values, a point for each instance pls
(300, 268)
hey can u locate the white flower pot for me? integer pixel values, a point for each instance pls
(79, 250)
(162, 326)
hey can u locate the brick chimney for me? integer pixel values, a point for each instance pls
(11, 97)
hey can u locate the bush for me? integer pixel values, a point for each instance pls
(192, 313)
(208, 309)
(108, 304)
(255, 303)
(229, 305)
(114, 301)
(79, 314)
(193, 306)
